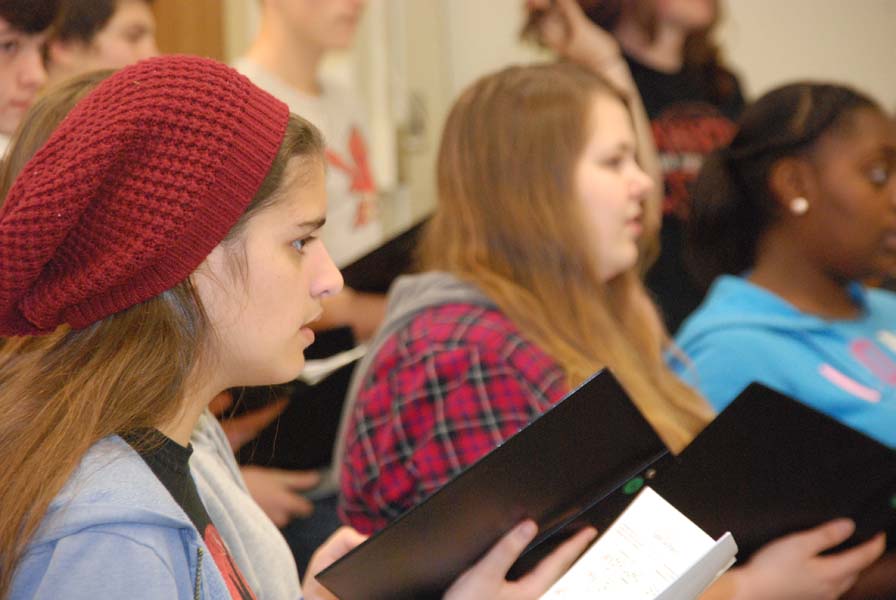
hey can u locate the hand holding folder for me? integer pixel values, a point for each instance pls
(651, 551)
(767, 466)
(561, 463)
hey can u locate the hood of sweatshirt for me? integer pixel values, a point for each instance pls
(735, 302)
(845, 368)
(111, 485)
(113, 491)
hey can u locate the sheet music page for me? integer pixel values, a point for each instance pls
(647, 548)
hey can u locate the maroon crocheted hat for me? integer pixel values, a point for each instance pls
(138, 184)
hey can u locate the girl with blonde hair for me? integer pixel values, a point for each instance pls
(530, 285)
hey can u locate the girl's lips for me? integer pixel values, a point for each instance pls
(309, 334)
(19, 105)
(306, 331)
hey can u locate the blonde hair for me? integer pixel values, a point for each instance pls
(508, 221)
(61, 393)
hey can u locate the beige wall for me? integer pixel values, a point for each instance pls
(768, 41)
(775, 41)
(240, 24)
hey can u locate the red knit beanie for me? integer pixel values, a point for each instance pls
(135, 188)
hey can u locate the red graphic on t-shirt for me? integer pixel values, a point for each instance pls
(233, 577)
(358, 169)
(684, 135)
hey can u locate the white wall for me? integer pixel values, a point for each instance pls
(775, 41)
(483, 36)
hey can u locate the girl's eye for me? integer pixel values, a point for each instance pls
(9, 47)
(879, 175)
(300, 244)
(134, 36)
(614, 162)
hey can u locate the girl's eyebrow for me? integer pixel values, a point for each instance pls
(622, 147)
(312, 225)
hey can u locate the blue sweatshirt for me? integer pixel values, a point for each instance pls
(844, 368)
(114, 531)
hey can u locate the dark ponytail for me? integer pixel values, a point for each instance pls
(732, 204)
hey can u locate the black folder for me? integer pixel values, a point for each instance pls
(766, 466)
(769, 465)
(571, 456)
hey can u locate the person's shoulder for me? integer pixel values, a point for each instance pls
(722, 362)
(736, 304)
(104, 561)
(270, 82)
(255, 73)
(443, 328)
(464, 323)
(881, 301)
(732, 97)
(723, 304)
(731, 345)
(111, 485)
(427, 331)
(109, 466)
(481, 333)
(737, 328)
(335, 88)
(490, 340)
(733, 335)
(340, 95)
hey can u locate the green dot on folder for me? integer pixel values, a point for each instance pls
(638, 482)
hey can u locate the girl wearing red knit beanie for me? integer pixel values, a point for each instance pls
(161, 247)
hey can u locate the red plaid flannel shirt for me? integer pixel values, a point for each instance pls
(443, 391)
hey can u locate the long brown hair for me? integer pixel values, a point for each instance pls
(61, 393)
(508, 221)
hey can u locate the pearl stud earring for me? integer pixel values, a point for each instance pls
(799, 205)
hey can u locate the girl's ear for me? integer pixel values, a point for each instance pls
(790, 178)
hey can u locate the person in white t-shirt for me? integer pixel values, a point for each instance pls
(285, 59)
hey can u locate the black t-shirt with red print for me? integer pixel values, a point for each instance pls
(169, 461)
(687, 123)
